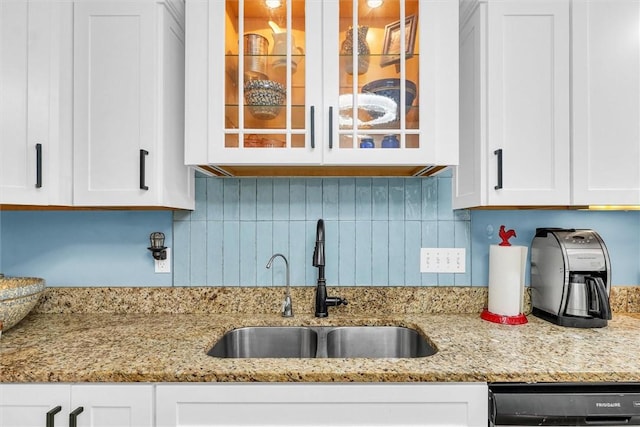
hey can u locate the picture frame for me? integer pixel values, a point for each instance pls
(391, 43)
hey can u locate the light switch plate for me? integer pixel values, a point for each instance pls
(163, 265)
(442, 260)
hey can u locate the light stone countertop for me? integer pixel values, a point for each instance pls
(164, 347)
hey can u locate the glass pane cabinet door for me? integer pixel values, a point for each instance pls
(378, 44)
(322, 82)
(266, 101)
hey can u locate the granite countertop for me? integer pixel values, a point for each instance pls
(164, 347)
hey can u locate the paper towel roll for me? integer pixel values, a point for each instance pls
(506, 279)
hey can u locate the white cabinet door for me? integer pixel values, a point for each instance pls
(528, 102)
(515, 113)
(606, 102)
(113, 405)
(114, 80)
(313, 404)
(28, 111)
(469, 183)
(34, 405)
(128, 106)
(92, 405)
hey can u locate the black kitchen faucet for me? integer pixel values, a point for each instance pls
(322, 300)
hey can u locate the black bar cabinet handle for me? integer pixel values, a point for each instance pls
(51, 414)
(312, 126)
(73, 416)
(498, 153)
(143, 154)
(38, 165)
(330, 127)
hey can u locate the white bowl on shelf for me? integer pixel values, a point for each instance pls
(379, 109)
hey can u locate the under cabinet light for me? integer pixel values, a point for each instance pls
(614, 208)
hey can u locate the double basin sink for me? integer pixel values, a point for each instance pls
(322, 342)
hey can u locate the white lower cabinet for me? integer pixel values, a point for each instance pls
(27, 405)
(86, 405)
(243, 404)
(318, 404)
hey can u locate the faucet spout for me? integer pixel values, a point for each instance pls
(287, 305)
(318, 252)
(322, 300)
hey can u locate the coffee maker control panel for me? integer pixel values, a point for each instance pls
(579, 239)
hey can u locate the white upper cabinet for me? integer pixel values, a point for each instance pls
(514, 98)
(606, 102)
(92, 104)
(128, 104)
(321, 87)
(31, 164)
(559, 147)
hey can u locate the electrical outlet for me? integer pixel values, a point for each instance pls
(164, 265)
(442, 260)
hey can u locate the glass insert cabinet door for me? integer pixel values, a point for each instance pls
(322, 82)
(373, 76)
(272, 57)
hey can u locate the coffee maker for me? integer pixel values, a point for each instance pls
(570, 277)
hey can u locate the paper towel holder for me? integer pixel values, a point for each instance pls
(518, 319)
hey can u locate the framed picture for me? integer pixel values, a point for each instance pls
(391, 44)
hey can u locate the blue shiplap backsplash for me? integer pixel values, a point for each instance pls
(375, 228)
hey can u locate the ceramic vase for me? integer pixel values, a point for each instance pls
(362, 50)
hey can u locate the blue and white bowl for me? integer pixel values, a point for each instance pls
(390, 88)
(264, 98)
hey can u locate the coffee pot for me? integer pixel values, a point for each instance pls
(587, 297)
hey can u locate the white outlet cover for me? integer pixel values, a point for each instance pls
(163, 265)
(442, 260)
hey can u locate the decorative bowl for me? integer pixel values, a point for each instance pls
(264, 98)
(391, 89)
(372, 110)
(18, 296)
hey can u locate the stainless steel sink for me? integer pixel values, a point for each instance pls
(266, 341)
(322, 341)
(376, 342)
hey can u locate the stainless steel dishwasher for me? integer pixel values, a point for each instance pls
(564, 404)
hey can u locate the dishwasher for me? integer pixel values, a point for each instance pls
(564, 404)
